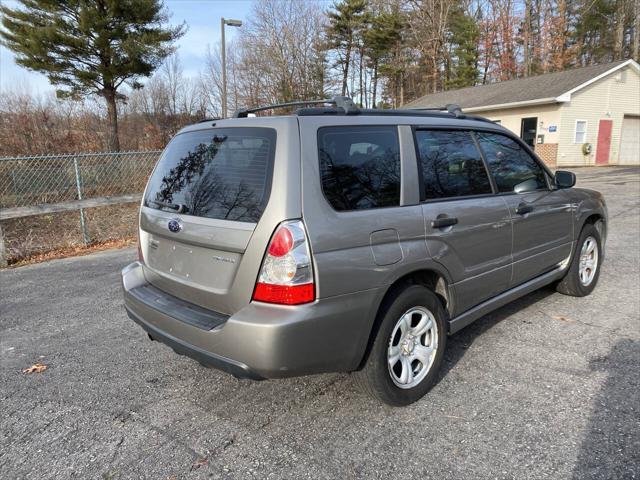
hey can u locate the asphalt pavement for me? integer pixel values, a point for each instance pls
(546, 387)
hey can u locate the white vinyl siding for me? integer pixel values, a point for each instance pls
(605, 99)
(511, 119)
(580, 135)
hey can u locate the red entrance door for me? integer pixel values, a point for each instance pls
(604, 142)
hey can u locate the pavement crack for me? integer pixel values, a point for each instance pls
(563, 318)
(203, 460)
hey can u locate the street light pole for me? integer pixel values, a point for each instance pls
(224, 71)
(231, 23)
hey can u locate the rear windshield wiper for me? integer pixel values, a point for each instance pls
(178, 207)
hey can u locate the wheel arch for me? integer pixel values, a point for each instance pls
(590, 208)
(431, 278)
(592, 219)
(598, 220)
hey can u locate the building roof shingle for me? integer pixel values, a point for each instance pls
(549, 85)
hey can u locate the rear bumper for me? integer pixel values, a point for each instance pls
(261, 340)
(209, 359)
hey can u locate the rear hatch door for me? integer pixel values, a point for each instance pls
(200, 209)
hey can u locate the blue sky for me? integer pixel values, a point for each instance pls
(201, 16)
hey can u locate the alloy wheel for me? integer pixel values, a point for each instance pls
(412, 347)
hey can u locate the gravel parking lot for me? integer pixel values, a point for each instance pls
(547, 387)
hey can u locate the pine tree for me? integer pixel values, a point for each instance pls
(595, 30)
(464, 38)
(380, 39)
(88, 47)
(345, 23)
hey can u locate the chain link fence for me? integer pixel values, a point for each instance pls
(51, 184)
(44, 179)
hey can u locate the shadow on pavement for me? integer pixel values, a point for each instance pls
(459, 343)
(611, 447)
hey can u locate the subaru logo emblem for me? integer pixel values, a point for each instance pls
(174, 226)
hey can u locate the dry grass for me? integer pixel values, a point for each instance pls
(73, 252)
(43, 237)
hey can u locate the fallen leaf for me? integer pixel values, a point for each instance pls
(200, 463)
(563, 319)
(453, 416)
(37, 368)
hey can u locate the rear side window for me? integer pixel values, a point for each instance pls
(360, 166)
(216, 173)
(513, 169)
(451, 164)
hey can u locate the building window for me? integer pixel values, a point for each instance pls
(581, 131)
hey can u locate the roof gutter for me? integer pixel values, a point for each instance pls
(503, 106)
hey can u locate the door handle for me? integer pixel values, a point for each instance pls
(443, 222)
(523, 209)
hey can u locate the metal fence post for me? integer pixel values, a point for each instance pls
(83, 224)
(4, 257)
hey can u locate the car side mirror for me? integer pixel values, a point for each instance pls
(564, 179)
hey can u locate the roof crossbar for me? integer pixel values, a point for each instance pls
(212, 119)
(344, 103)
(454, 109)
(451, 108)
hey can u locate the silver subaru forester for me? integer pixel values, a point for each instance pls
(338, 239)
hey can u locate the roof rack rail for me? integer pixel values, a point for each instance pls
(344, 103)
(345, 106)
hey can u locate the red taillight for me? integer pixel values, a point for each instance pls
(281, 243)
(286, 274)
(284, 294)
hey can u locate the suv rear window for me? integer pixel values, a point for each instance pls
(360, 166)
(221, 173)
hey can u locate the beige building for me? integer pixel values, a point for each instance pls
(583, 116)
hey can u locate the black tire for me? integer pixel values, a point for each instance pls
(570, 283)
(376, 377)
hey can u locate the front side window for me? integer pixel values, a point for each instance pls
(451, 164)
(513, 169)
(219, 173)
(581, 131)
(360, 166)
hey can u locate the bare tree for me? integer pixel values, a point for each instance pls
(280, 53)
(636, 30)
(428, 26)
(210, 79)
